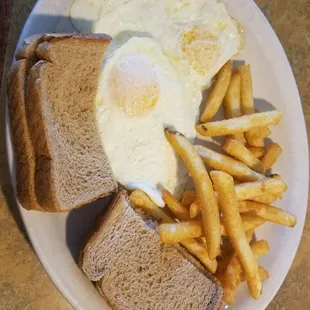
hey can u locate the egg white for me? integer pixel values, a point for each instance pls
(163, 51)
(139, 153)
(219, 37)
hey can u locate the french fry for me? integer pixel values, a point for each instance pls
(237, 150)
(249, 222)
(232, 278)
(139, 199)
(177, 232)
(261, 132)
(250, 190)
(188, 198)
(253, 140)
(268, 190)
(204, 189)
(268, 213)
(234, 275)
(247, 102)
(175, 206)
(217, 92)
(239, 124)
(250, 234)
(263, 274)
(236, 181)
(224, 185)
(271, 155)
(199, 250)
(194, 210)
(231, 103)
(257, 151)
(267, 198)
(227, 164)
(260, 248)
(255, 137)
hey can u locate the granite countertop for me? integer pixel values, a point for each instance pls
(23, 281)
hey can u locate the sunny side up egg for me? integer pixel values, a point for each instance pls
(163, 53)
(139, 95)
(199, 33)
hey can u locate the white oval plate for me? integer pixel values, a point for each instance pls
(57, 238)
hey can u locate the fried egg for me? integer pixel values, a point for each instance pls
(163, 53)
(140, 93)
(199, 33)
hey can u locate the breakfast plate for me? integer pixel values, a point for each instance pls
(57, 238)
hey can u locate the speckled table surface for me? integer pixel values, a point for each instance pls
(23, 281)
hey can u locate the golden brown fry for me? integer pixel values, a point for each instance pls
(236, 181)
(257, 151)
(139, 199)
(261, 132)
(247, 102)
(239, 124)
(255, 137)
(231, 103)
(188, 198)
(234, 274)
(250, 221)
(268, 213)
(227, 164)
(232, 278)
(250, 234)
(217, 92)
(177, 232)
(237, 150)
(224, 186)
(204, 240)
(175, 206)
(194, 210)
(199, 250)
(204, 189)
(271, 155)
(252, 140)
(267, 198)
(263, 274)
(260, 248)
(250, 190)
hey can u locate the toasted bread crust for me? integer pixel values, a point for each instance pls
(48, 119)
(35, 173)
(132, 269)
(24, 153)
(28, 47)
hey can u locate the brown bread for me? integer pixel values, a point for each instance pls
(24, 152)
(71, 167)
(134, 270)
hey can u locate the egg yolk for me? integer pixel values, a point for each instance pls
(199, 46)
(133, 85)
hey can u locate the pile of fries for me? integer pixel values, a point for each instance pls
(216, 221)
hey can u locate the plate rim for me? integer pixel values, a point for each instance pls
(53, 276)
